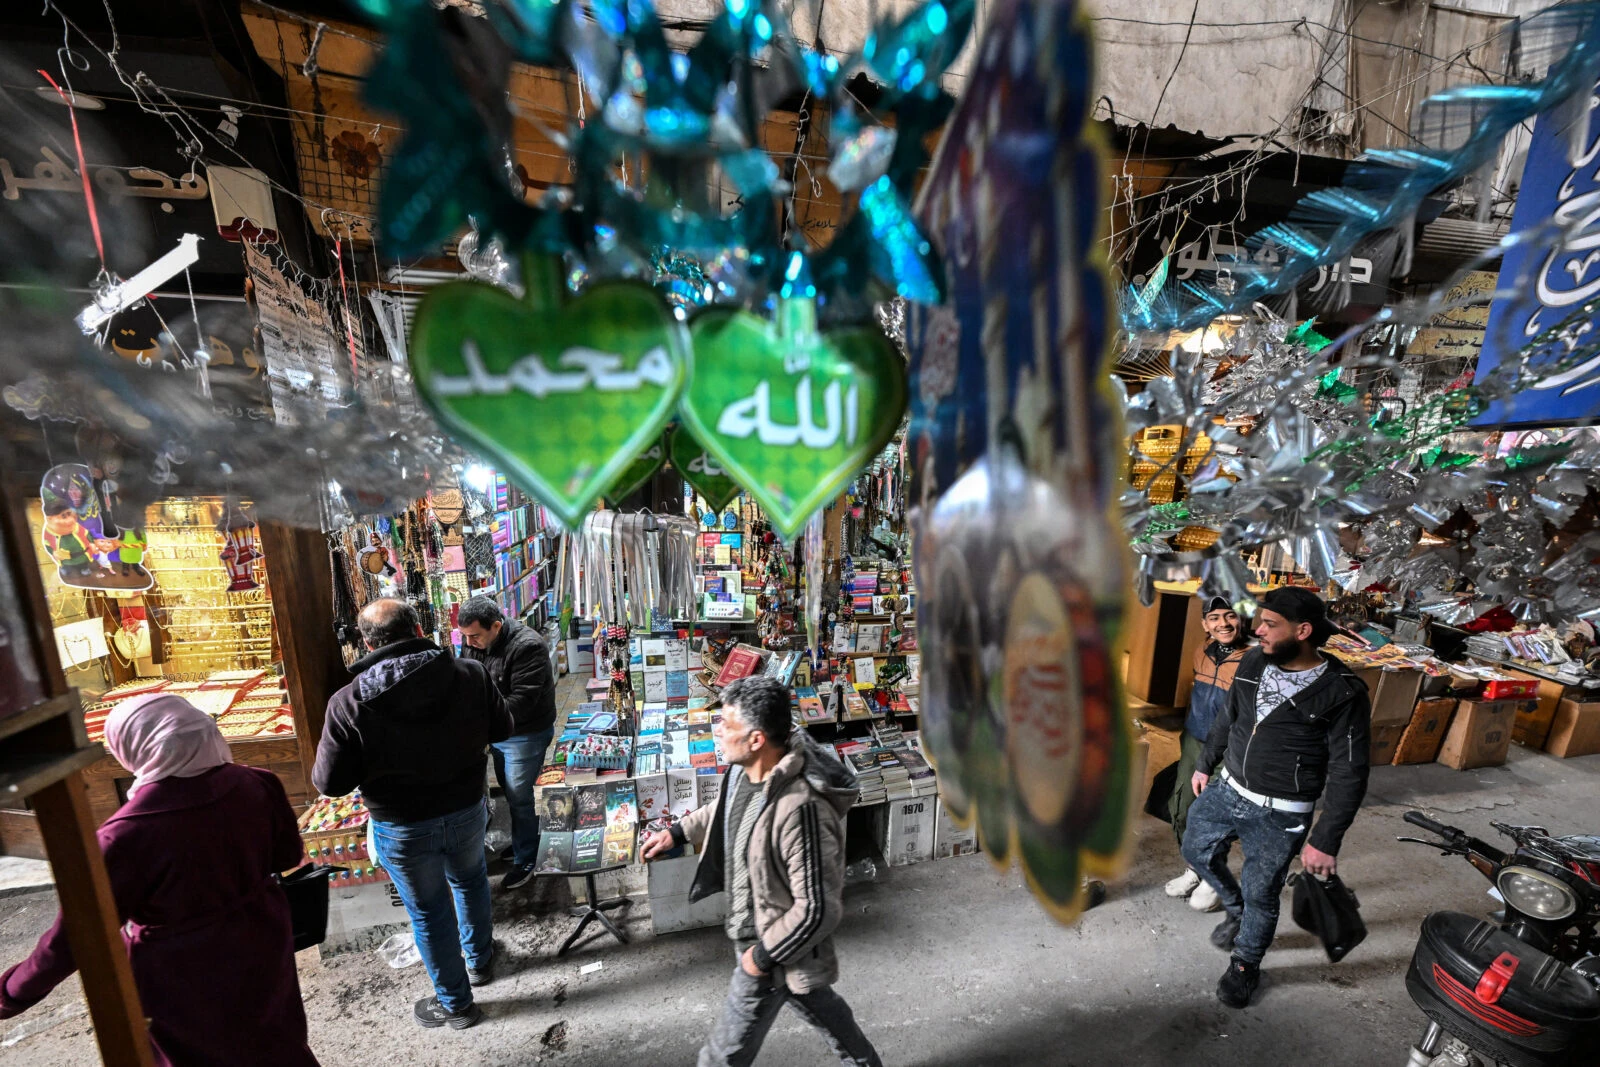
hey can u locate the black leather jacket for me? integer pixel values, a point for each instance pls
(519, 663)
(1315, 744)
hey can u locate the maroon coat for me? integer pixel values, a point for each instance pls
(190, 862)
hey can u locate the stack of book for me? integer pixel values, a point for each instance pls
(812, 708)
(862, 758)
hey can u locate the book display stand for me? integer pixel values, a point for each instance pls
(593, 909)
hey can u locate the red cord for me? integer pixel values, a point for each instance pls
(355, 372)
(83, 168)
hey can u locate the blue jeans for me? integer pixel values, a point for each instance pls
(431, 862)
(518, 762)
(1270, 839)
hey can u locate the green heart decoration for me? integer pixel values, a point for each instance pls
(700, 469)
(641, 470)
(792, 414)
(561, 394)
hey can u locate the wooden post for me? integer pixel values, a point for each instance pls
(302, 601)
(90, 916)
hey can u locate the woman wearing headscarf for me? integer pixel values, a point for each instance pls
(191, 857)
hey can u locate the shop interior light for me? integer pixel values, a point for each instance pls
(478, 477)
(1204, 341)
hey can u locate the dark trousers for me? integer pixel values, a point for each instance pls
(1269, 840)
(752, 1006)
(1183, 797)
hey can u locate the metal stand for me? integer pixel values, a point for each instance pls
(594, 909)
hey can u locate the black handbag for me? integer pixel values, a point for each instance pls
(1162, 786)
(1330, 910)
(306, 889)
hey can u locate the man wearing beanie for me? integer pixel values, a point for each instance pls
(1214, 665)
(1294, 729)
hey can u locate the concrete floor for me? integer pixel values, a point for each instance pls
(946, 963)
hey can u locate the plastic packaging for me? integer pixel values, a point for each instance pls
(400, 950)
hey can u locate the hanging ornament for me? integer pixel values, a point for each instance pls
(638, 473)
(75, 534)
(701, 470)
(239, 550)
(560, 394)
(755, 401)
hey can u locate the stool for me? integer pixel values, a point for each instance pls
(593, 908)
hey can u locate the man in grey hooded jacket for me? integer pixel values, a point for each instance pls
(774, 840)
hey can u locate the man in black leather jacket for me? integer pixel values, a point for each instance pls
(519, 663)
(1295, 729)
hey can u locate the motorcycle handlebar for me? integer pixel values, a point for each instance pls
(1416, 818)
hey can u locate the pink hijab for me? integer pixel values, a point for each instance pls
(164, 736)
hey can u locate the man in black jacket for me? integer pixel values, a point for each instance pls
(1295, 728)
(518, 662)
(411, 731)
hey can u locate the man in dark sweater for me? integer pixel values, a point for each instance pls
(1294, 729)
(411, 731)
(519, 665)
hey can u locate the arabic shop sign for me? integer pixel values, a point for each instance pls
(561, 394)
(754, 400)
(1550, 283)
(1218, 253)
(55, 175)
(147, 193)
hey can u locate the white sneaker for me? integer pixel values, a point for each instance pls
(1184, 884)
(1204, 898)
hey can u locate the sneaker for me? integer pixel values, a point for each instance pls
(1204, 898)
(1226, 931)
(1184, 884)
(483, 975)
(517, 877)
(430, 1014)
(1238, 985)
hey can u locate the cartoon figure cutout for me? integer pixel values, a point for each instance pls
(75, 534)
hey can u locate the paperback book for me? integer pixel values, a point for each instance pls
(591, 807)
(586, 848)
(555, 852)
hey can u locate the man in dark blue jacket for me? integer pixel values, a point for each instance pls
(1214, 665)
(410, 732)
(1295, 729)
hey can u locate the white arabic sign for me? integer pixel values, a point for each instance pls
(529, 374)
(55, 175)
(753, 415)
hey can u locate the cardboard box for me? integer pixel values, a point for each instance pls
(951, 840)
(1480, 734)
(1575, 730)
(1425, 732)
(1395, 696)
(1533, 724)
(1373, 676)
(1385, 742)
(670, 910)
(910, 837)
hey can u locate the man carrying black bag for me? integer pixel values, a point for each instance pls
(1294, 730)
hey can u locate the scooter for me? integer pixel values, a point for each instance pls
(1522, 988)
